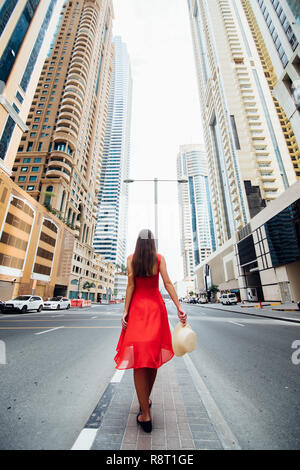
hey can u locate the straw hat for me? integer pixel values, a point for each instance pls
(184, 339)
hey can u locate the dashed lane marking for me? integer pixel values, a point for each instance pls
(52, 329)
(235, 323)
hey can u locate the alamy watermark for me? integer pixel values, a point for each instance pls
(296, 353)
(2, 352)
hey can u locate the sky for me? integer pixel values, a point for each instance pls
(165, 114)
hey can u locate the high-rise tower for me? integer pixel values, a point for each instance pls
(248, 158)
(26, 27)
(196, 224)
(275, 26)
(59, 157)
(111, 230)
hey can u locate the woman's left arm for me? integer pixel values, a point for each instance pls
(129, 291)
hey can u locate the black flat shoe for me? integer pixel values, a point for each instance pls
(146, 425)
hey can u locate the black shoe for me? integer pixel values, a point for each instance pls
(146, 425)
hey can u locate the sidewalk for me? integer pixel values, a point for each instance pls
(179, 418)
(288, 311)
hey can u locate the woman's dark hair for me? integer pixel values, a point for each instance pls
(145, 255)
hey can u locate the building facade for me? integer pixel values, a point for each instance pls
(120, 286)
(59, 157)
(248, 157)
(196, 223)
(111, 230)
(26, 27)
(36, 248)
(262, 261)
(279, 24)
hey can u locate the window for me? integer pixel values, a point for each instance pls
(10, 53)
(35, 168)
(30, 188)
(38, 43)
(26, 160)
(37, 160)
(31, 178)
(24, 169)
(6, 135)
(29, 146)
(22, 178)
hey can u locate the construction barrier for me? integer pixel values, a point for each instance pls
(260, 305)
(80, 303)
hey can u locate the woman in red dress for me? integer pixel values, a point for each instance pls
(145, 342)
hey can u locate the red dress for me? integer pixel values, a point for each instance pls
(147, 341)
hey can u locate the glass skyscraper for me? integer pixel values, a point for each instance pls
(196, 221)
(111, 230)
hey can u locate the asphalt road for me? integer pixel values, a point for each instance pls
(246, 364)
(53, 378)
(60, 363)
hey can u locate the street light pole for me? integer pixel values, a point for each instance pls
(156, 211)
(155, 181)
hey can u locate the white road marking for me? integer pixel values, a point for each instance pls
(87, 436)
(117, 377)
(93, 318)
(236, 323)
(46, 331)
(85, 439)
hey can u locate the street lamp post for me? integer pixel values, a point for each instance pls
(155, 181)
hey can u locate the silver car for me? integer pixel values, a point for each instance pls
(57, 303)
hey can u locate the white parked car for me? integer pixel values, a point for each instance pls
(57, 303)
(228, 299)
(24, 303)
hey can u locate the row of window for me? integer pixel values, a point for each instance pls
(24, 169)
(29, 188)
(285, 24)
(31, 178)
(273, 32)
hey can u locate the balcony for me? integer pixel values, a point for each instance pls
(57, 172)
(55, 163)
(63, 134)
(65, 127)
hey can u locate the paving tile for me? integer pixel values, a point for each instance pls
(187, 444)
(130, 436)
(173, 443)
(179, 419)
(158, 437)
(185, 434)
(207, 445)
(129, 447)
(204, 435)
(144, 443)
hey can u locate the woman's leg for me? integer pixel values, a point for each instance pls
(151, 378)
(142, 390)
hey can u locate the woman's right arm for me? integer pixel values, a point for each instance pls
(171, 290)
(129, 291)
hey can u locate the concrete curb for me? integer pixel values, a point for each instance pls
(257, 315)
